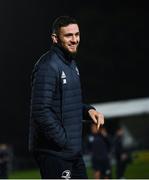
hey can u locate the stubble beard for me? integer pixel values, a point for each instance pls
(70, 53)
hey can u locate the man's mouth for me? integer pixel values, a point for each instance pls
(73, 46)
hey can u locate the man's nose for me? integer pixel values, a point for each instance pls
(74, 39)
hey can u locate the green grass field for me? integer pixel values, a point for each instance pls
(138, 169)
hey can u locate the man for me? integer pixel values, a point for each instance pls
(122, 154)
(4, 161)
(100, 150)
(56, 106)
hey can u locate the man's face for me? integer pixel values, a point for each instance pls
(69, 38)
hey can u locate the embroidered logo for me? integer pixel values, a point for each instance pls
(66, 174)
(77, 71)
(63, 76)
(64, 81)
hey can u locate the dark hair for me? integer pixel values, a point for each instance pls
(62, 21)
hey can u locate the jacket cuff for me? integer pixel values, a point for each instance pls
(86, 108)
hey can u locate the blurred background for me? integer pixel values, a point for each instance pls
(113, 63)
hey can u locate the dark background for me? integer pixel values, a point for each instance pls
(113, 54)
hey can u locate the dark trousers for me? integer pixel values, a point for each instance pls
(120, 169)
(53, 167)
(3, 170)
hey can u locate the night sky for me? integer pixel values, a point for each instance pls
(112, 58)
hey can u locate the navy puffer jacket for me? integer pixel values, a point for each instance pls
(56, 106)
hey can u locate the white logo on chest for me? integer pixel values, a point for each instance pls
(63, 77)
(77, 71)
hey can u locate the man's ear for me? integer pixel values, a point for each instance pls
(54, 38)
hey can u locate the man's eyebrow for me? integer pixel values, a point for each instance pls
(69, 34)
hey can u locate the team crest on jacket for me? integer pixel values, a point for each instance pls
(63, 77)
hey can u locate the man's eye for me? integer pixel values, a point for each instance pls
(68, 35)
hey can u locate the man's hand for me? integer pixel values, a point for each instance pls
(97, 117)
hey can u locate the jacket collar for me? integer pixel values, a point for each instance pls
(64, 56)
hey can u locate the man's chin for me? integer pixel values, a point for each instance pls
(72, 51)
(72, 54)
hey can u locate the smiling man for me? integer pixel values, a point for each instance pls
(56, 106)
(67, 38)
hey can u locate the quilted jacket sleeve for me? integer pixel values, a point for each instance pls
(44, 81)
(85, 109)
